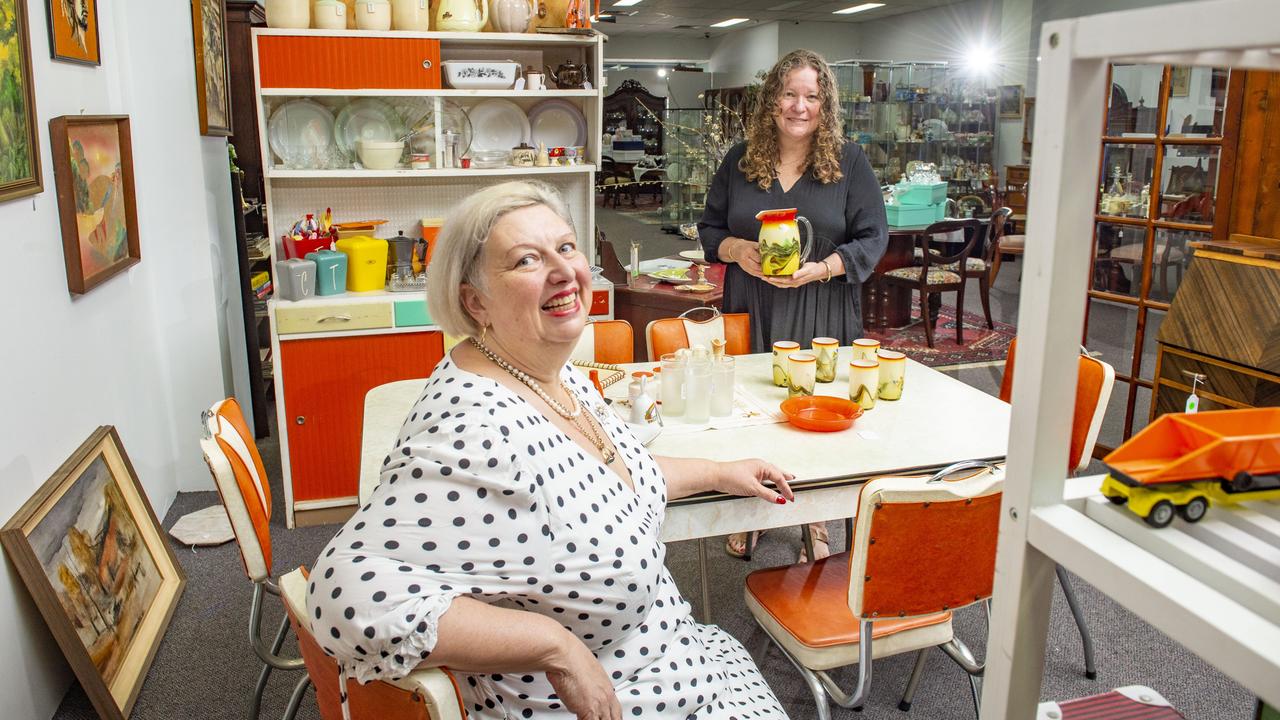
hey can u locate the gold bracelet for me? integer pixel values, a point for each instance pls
(828, 267)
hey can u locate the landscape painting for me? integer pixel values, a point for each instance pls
(93, 170)
(73, 31)
(213, 88)
(19, 143)
(90, 552)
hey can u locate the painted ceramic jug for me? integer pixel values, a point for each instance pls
(462, 15)
(512, 15)
(781, 251)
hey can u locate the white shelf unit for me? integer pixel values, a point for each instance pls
(402, 196)
(1211, 588)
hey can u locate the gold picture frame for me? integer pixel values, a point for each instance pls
(90, 550)
(1179, 81)
(213, 77)
(20, 154)
(1009, 102)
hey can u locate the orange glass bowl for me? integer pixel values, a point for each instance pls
(821, 413)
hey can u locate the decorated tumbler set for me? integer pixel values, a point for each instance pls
(873, 372)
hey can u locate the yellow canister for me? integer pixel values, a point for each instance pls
(366, 262)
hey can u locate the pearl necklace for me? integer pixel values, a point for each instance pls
(573, 416)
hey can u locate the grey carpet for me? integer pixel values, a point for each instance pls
(205, 667)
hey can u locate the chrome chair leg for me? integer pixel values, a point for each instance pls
(255, 703)
(1086, 640)
(960, 653)
(295, 700)
(815, 686)
(916, 673)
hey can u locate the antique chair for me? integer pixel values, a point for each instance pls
(241, 479)
(931, 277)
(922, 548)
(1093, 391)
(430, 694)
(670, 334)
(613, 181)
(984, 269)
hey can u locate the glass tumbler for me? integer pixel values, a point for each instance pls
(697, 391)
(722, 386)
(781, 349)
(672, 389)
(825, 349)
(893, 370)
(801, 373)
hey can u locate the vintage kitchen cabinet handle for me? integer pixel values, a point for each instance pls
(426, 64)
(335, 318)
(300, 420)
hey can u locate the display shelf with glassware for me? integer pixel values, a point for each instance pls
(391, 145)
(691, 161)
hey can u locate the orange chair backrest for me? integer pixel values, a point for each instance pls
(241, 479)
(373, 700)
(668, 335)
(615, 342)
(923, 547)
(1093, 390)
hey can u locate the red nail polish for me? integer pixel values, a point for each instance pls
(781, 500)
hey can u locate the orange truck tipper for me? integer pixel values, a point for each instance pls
(1182, 461)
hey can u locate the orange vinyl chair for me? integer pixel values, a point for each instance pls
(667, 335)
(241, 479)
(606, 341)
(430, 694)
(1093, 391)
(921, 549)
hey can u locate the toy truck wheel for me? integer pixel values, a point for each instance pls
(1194, 510)
(1117, 499)
(1161, 514)
(1243, 481)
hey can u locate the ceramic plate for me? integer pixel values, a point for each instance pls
(453, 118)
(648, 266)
(694, 255)
(299, 125)
(367, 119)
(497, 125)
(675, 276)
(558, 123)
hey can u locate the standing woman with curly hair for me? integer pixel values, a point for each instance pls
(795, 155)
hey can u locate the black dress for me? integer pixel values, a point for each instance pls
(848, 218)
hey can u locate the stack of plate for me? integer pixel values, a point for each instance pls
(558, 123)
(497, 125)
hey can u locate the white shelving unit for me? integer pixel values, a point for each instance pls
(330, 350)
(1213, 588)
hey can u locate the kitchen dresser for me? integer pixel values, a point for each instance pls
(1211, 586)
(331, 350)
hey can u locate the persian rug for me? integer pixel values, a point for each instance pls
(981, 344)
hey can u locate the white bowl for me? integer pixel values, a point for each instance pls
(480, 75)
(379, 154)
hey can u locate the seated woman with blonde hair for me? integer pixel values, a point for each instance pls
(514, 536)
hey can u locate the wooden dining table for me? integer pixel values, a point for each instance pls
(938, 421)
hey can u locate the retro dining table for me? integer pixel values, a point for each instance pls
(938, 421)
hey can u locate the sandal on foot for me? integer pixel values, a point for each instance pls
(738, 545)
(821, 548)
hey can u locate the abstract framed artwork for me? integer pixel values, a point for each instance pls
(73, 31)
(90, 551)
(1009, 102)
(93, 173)
(213, 88)
(20, 150)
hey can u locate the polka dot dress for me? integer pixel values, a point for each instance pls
(483, 496)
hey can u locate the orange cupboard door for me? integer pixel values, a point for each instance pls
(348, 63)
(325, 381)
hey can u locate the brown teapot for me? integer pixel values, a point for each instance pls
(569, 76)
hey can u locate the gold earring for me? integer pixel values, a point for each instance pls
(484, 331)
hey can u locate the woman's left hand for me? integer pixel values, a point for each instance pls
(808, 272)
(749, 477)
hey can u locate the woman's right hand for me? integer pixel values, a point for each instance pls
(581, 683)
(746, 254)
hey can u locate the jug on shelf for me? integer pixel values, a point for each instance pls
(781, 252)
(462, 15)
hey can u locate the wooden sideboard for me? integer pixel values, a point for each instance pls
(1224, 324)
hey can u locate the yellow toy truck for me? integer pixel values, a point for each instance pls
(1182, 462)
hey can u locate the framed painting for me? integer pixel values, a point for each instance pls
(20, 151)
(213, 88)
(1179, 81)
(1009, 102)
(93, 173)
(90, 551)
(73, 31)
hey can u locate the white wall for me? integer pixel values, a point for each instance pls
(680, 88)
(141, 351)
(738, 56)
(656, 46)
(833, 41)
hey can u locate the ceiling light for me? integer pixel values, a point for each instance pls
(729, 22)
(626, 3)
(980, 59)
(662, 72)
(858, 8)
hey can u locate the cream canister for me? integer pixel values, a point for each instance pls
(410, 15)
(329, 15)
(373, 15)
